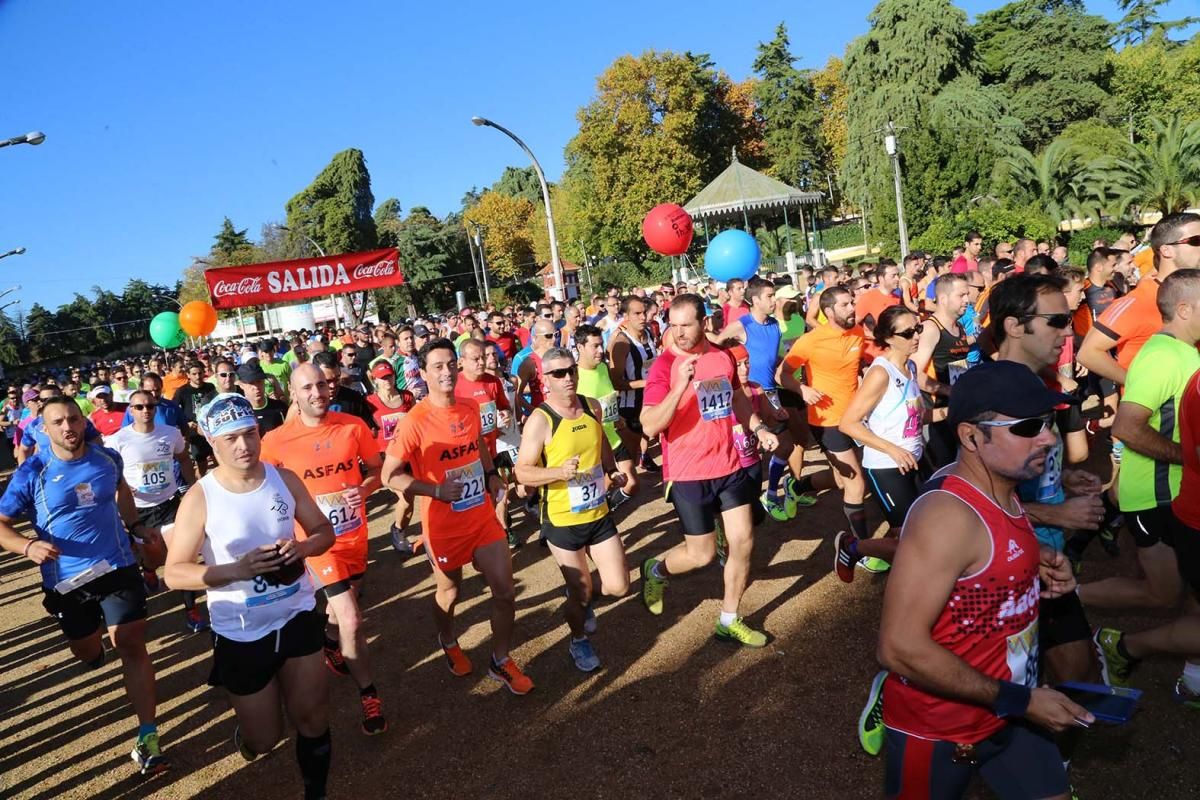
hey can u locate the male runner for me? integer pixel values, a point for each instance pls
(326, 448)
(495, 414)
(692, 402)
(441, 439)
(871, 304)
(564, 453)
(959, 633)
(191, 397)
(269, 412)
(595, 382)
(528, 374)
(33, 436)
(243, 517)
(942, 351)
(632, 352)
(737, 306)
(81, 509)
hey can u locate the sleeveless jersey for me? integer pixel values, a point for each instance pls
(762, 343)
(951, 348)
(990, 621)
(581, 499)
(237, 523)
(536, 387)
(387, 417)
(637, 367)
(897, 415)
(596, 384)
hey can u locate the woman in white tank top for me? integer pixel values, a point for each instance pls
(242, 517)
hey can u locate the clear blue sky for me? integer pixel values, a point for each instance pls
(162, 118)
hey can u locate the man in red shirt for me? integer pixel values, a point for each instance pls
(502, 336)
(969, 260)
(106, 419)
(473, 383)
(692, 402)
(737, 307)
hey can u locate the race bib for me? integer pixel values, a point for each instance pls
(746, 445)
(912, 420)
(264, 593)
(473, 485)
(341, 514)
(487, 417)
(154, 476)
(586, 490)
(715, 398)
(388, 423)
(1050, 481)
(1022, 656)
(609, 407)
(956, 369)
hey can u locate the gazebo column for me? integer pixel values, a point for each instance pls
(789, 257)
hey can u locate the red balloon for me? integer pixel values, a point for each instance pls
(668, 229)
(198, 318)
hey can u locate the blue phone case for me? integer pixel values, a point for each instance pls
(1114, 704)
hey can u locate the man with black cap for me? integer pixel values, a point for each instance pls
(959, 632)
(269, 412)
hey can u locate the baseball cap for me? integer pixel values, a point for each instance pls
(420, 330)
(226, 413)
(787, 292)
(1004, 387)
(250, 372)
(382, 369)
(98, 390)
(30, 394)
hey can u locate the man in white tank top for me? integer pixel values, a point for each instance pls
(268, 639)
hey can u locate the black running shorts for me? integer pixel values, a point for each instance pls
(1186, 541)
(113, 599)
(1061, 620)
(245, 668)
(577, 537)
(831, 439)
(699, 502)
(1150, 526)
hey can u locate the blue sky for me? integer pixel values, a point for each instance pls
(162, 118)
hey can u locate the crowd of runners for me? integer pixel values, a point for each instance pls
(952, 398)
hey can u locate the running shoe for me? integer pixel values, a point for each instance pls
(1114, 667)
(400, 541)
(1108, 537)
(194, 620)
(793, 493)
(870, 721)
(511, 676)
(243, 750)
(647, 463)
(776, 509)
(150, 578)
(843, 561)
(514, 541)
(457, 660)
(739, 632)
(584, 655)
(373, 721)
(722, 545)
(874, 565)
(336, 662)
(1185, 696)
(147, 756)
(616, 499)
(652, 588)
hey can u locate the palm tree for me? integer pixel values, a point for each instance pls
(1055, 179)
(1159, 174)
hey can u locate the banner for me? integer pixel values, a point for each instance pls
(288, 281)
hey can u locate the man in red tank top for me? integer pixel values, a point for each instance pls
(959, 632)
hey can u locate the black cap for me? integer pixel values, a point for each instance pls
(420, 330)
(1003, 387)
(251, 371)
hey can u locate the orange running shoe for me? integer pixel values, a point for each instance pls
(511, 676)
(457, 660)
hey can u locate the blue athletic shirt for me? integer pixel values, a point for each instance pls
(72, 505)
(762, 343)
(166, 413)
(35, 434)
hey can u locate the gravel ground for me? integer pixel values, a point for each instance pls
(672, 713)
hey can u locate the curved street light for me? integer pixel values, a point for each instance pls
(16, 251)
(554, 260)
(33, 137)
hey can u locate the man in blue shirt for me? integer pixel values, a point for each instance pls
(166, 412)
(34, 437)
(79, 505)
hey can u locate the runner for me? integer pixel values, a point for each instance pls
(191, 397)
(689, 383)
(530, 382)
(328, 450)
(595, 382)
(632, 353)
(73, 494)
(495, 414)
(389, 406)
(105, 417)
(564, 452)
(942, 350)
(869, 306)
(960, 624)
(34, 437)
(442, 441)
(243, 516)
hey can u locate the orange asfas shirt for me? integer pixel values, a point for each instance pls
(831, 358)
(1131, 320)
(325, 457)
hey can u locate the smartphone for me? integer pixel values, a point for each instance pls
(1114, 704)
(286, 574)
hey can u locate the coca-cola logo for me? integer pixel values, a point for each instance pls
(379, 269)
(246, 285)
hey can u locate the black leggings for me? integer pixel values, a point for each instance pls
(895, 492)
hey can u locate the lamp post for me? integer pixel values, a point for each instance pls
(337, 322)
(554, 260)
(892, 145)
(33, 137)
(16, 251)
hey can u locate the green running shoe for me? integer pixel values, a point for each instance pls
(875, 565)
(1115, 667)
(147, 756)
(793, 493)
(870, 721)
(652, 588)
(776, 509)
(741, 633)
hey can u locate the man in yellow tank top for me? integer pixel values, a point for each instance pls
(564, 452)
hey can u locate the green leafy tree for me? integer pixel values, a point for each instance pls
(39, 331)
(1160, 174)
(230, 244)
(1141, 20)
(833, 98)
(1155, 78)
(1055, 180)
(520, 182)
(787, 101)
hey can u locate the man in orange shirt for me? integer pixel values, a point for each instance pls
(831, 355)
(874, 301)
(174, 379)
(441, 441)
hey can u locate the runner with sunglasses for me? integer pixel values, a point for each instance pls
(595, 382)
(942, 351)
(632, 352)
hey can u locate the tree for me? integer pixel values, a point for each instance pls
(832, 97)
(520, 182)
(1053, 180)
(1160, 174)
(39, 331)
(506, 236)
(229, 243)
(1156, 77)
(434, 259)
(792, 120)
(1141, 20)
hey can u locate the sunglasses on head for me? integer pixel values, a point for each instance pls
(143, 406)
(1059, 321)
(1026, 428)
(561, 373)
(1191, 241)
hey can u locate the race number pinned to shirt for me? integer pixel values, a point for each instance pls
(154, 476)
(586, 489)
(715, 398)
(472, 481)
(609, 407)
(487, 417)
(956, 369)
(388, 423)
(341, 514)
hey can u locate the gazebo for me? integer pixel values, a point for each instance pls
(739, 191)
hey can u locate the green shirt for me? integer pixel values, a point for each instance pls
(282, 372)
(1156, 380)
(596, 384)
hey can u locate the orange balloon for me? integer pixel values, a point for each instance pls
(198, 318)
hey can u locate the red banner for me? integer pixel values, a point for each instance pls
(287, 281)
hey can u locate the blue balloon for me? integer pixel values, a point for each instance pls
(732, 254)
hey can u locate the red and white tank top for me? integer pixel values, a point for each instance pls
(990, 621)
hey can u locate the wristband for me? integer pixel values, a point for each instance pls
(1012, 699)
(27, 546)
(760, 426)
(437, 492)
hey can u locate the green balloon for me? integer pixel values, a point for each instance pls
(165, 331)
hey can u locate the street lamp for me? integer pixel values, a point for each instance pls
(16, 251)
(33, 137)
(891, 146)
(337, 321)
(557, 265)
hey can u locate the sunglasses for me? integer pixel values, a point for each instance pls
(545, 316)
(226, 374)
(1025, 428)
(1059, 321)
(143, 406)
(909, 333)
(546, 335)
(561, 373)
(978, 286)
(1191, 241)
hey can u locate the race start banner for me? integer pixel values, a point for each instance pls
(287, 281)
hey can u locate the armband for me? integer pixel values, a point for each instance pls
(1012, 700)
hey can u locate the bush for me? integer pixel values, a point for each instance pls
(994, 223)
(1079, 243)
